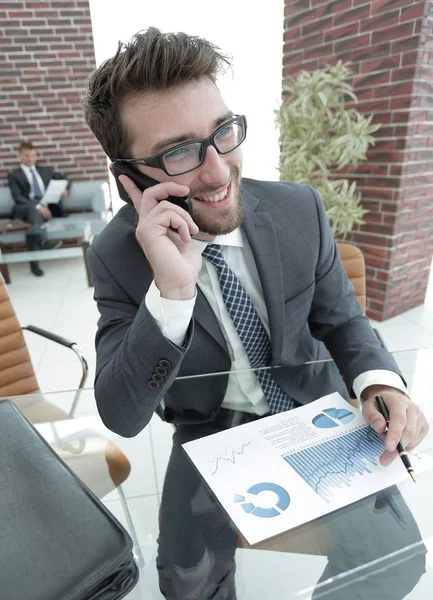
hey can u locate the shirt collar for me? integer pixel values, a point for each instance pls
(234, 238)
(25, 168)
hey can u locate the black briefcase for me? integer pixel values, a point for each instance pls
(57, 540)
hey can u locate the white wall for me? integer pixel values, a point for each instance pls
(251, 32)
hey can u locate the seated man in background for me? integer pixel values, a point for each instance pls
(28, 184)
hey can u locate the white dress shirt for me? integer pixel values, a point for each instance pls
(173, 317)
(28, 173)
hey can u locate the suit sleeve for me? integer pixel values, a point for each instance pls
(136, 364)
(336, 317)
(19, 197)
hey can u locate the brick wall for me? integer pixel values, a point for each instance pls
(48, 51)
(390, 45)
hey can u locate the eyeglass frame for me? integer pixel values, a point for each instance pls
(157, 162)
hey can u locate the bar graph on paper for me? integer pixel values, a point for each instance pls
(332, 464)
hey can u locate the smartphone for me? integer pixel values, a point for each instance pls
(143, 182)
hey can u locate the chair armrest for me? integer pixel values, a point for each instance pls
(68, 344)
(50, 336)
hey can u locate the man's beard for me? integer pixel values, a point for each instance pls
(226, 220)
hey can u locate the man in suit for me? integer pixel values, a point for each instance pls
(27, 184)
(170, 287)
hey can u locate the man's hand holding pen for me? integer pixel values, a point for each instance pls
(407, 422)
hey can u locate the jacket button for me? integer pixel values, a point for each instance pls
(153, 384)
(158, 378)
(161, 371)
(165, 364)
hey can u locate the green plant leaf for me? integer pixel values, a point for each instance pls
(320, 135)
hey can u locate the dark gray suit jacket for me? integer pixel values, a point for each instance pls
(308, 297)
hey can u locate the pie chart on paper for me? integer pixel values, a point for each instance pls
(333, 417)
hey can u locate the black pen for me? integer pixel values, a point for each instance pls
(402, 452)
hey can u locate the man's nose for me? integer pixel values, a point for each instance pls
(214, 169)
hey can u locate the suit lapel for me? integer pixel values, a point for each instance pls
(24, 181)
(44, 175)
(261, 236)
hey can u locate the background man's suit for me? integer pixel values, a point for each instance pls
(25, 207)
(20, 189)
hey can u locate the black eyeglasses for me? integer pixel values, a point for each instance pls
(190, 155)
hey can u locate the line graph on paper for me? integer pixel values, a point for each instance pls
(333, 464)
(230, 456)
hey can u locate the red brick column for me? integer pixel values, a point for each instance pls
(48, 51)
(390, 44)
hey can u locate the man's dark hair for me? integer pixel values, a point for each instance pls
(26, 146)
(151, 61)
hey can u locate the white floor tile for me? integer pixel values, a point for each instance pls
(78, 309)
(401, 334)
(421, 316)
(40, 315)
(55, 279)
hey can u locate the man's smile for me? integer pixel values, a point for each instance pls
(221, 198)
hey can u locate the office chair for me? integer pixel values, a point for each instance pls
(96, 460)
(354, 265)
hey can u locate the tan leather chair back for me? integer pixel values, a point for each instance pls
(17, 375)
(354, 265)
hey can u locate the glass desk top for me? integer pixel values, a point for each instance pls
(379, 547)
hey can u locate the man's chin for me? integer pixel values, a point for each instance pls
(225, 220)
(224, 223)
(221, 228)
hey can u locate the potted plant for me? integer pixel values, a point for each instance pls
(320, 136)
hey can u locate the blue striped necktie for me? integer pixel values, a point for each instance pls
(249, 327)
(36, 187)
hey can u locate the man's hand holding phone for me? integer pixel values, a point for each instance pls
(164, 233)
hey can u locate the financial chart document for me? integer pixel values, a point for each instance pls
(55, 189)
(284, 470)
